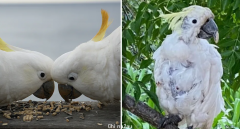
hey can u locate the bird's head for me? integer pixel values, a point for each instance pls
(194, 21)
(43, 71)
(29, 69)
(73, 69)
(66, 73)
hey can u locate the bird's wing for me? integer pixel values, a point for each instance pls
(188, 79)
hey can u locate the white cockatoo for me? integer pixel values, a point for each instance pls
(188, 69)
(92, 68)
(23, 73)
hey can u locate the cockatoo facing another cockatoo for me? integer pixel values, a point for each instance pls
(92, 68)
(188, 69)
(23, 73)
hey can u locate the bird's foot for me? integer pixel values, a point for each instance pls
(171, 119)
(190, 127)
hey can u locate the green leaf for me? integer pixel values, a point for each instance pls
(137, 92)
(236, 115)
(155, 33)
(237, 54)
(163, 28)
(224, 4)
(135, 121)
(145, 125)
(141, 6)
(154, 98)
(236, 84)
(150, 103)
(210, 3)
(219, 116)
(150, 29)
(231, 62)
(137, 26)
(226, 53)
(227, 43)
(153, 86)
(146, 15)
(128, 55)
(145, 63)
(129, 35)
(151, 95)
(236, 4)
(146, 78)
(142, 74)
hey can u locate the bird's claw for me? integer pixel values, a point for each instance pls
(171, 119)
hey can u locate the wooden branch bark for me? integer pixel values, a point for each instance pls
(150, 115)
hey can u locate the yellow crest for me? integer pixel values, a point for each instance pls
(175, 20)
(101, 33)
(4, 46)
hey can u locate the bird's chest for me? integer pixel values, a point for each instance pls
(177, 77)
(178, 81)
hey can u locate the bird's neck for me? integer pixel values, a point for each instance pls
(188, 35)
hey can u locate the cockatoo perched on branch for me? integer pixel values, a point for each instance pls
(92, 68)
(188, 69)
(23, 73)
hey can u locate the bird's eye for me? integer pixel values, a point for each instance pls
(194, 21)
(72, 76)
(41, 75)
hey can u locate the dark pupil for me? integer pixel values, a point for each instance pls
(42, 74)
(71, 78)
(194, 21)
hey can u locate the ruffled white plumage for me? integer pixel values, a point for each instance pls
(188, 80)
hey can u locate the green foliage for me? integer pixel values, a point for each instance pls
(143, 33)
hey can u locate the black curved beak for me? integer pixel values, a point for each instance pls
(208, 30)
(45, 91)
(68, 92)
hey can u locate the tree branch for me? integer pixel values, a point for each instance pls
(150, 115)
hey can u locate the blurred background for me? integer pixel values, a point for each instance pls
(54, 27)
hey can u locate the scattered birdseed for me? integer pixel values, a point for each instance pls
(47, 114)
(81, 116)
(68, 117)
(4, 123)
(36, 110)
(99, 106)
(54, 114)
